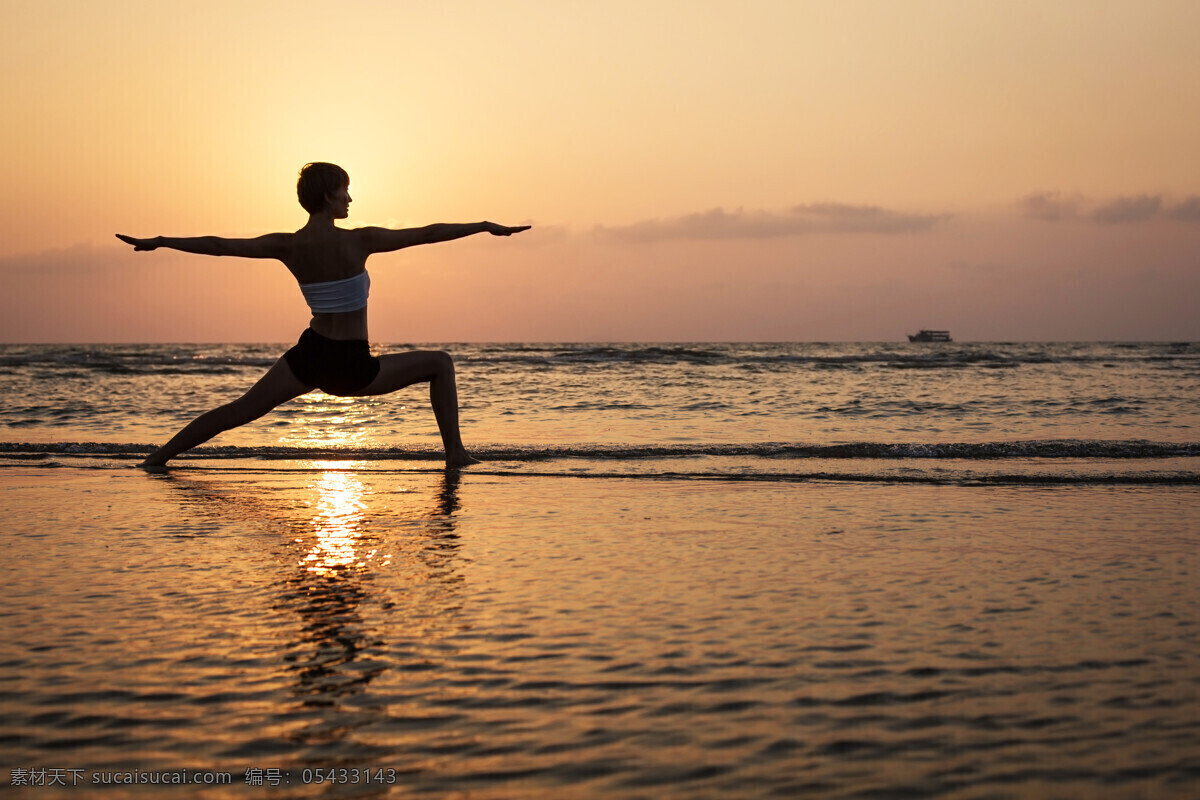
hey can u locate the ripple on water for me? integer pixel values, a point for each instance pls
(613, 639)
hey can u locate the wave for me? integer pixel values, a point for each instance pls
(982, 451)
(898, 356)
(1032, 463)
(146, 359)
(134, 359)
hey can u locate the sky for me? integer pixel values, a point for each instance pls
(760, 170)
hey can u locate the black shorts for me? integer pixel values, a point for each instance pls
(335, 366)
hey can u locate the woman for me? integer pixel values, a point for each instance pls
(332, 355)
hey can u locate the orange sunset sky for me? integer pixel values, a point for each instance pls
(752, 170)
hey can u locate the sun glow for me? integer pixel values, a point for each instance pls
(519, 112)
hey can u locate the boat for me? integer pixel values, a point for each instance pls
(930, 336)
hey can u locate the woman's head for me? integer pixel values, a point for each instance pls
(318, 181)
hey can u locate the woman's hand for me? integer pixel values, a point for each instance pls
(501, 230)
(139, 244)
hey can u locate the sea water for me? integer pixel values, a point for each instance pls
(735, 409)
(702, 570)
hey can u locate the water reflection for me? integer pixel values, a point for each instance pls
(361, 559)
(322, 420)
(338, 524)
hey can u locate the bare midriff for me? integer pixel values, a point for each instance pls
(341, 325)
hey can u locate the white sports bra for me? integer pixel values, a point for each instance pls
(331, 297)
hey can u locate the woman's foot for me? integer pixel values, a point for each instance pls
(153, 461)
(461, 459)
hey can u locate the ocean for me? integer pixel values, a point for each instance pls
(945, 413)
(844, 570)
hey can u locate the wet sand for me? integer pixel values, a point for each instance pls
(537, 636)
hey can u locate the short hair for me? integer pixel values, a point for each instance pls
(317, 181)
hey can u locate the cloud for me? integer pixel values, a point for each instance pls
(811, 218)
(1187, 211)
(1129, 209)
(63, 261)
(1049, 206)
(840, 218)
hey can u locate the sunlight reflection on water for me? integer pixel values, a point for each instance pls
(338, 522)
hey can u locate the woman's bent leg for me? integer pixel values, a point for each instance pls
(398, 370)
(276, 387)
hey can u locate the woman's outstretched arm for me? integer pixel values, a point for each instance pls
(273, 245)
(385, 240)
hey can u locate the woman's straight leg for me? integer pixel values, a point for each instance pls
(275, 388)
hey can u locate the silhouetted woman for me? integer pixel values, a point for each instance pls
(332, 354)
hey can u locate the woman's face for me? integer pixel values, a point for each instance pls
(339, 203)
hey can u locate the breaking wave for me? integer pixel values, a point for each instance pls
(1045, 463)
(1040, 449)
